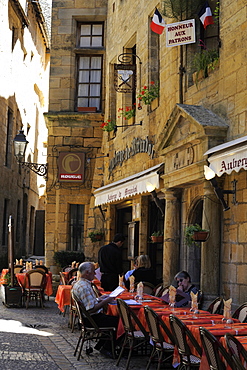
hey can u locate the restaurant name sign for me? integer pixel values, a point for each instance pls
(180, 33)
(71, 167)
(229, 161)
(138, 145)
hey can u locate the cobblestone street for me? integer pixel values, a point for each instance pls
(40, 339)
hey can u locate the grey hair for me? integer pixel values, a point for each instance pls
(85, 266)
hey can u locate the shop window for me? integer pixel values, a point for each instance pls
(89, 66)
(76, 227)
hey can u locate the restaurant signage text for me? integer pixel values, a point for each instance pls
(180, 33)
(138, 145)
(230, 161)
(71, 166)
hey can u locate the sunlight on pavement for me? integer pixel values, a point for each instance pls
(13, 326)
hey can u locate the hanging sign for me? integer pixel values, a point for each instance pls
(71, 166)
(125, 77)
(180, 33)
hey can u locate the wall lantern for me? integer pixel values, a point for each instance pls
(151, 189)
(20, 144)
(210, 175)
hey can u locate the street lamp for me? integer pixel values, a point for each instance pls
(20, 144)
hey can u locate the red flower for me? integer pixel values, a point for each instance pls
(103, 124)
(152, 82)
(144, 87)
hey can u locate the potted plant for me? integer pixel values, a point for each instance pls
(149, 93)
(157, 237)
(12, 295)
(108, 126)
(128, 113)
(204, 60)
(96, 235)
(195, 234)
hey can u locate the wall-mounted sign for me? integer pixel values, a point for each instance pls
(71, 166)
(180, 33)
(138, 145)
(125, 77)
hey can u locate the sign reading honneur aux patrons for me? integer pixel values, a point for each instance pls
(71, 166)
(180, 33)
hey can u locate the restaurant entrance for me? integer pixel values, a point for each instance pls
(123, 218)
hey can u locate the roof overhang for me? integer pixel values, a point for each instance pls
(228, 157)
(129, 186)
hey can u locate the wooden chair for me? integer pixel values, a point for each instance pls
(41, 268)
(147, 287)
(216, 306)
(92, 331)
(72, 273)
(161, 348)
(182, 335)
(67, 268)
(241, 313)
(34, 286)
(157, 291)
(134, 339)
(63, 281)
(72, 313)
(216, 354)
(17, 269)
(237, 351)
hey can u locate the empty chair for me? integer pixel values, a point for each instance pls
(161, 348)
(67, 268)
(182, 335)
(147, 287)
(216, 354)
(92, 331)
(241, 313)
(237, 351)
(63, 281)
(34, 286)
(17, 269)
(157, 290)
(42, 268)
(72, 273)
(133, 338)
(216, 306)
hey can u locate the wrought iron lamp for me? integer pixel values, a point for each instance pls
(20, 144)
(210, 175)
(151, 190)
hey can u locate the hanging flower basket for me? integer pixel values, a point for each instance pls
(108, 125)
(96, 236)
(157, 237)
(149, 93)
(195, 234)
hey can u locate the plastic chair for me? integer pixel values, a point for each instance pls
(34, 286)
(90, 332)
(216, 306)
(241, 313)
(182, 335)
(135, 337)
(216, 354)
(237, 351)
(161, 348)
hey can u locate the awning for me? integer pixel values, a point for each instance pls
(129, 186)
(228, 157)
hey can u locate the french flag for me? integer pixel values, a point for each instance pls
(157, 24)
(205, 15)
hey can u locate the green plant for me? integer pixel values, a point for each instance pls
(7, 280)
(203, 60)
(96, 235)
(108, 126)
(157, 233)
(127, 112)
(149, 93)
(190, 231)
(65, 258)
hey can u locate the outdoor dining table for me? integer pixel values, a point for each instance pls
(63, 296)
(48, 285)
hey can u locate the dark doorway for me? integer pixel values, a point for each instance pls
(39, 241)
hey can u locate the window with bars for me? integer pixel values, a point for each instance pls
(90, 64)
(76, 227)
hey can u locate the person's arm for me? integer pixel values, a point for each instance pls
(102, 301)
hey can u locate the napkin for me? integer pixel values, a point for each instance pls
(77, 265)
(121, 282)
(172, 294)
(21, 262)
(41, 262)
(139, 289)
(132, 283)
(36, 262)
(227, 308)
(16, 262)
(73, 264)
(194, 304)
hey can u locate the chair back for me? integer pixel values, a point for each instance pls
(96, 290)
(17, 269)
(147, 287)
(237, 351)
(182, 334)
(241, 313)
(157, 290)
(215, 352)
(62, 278)
(67, 268)
(129, 319)
(35, 279)
(216, 306)
(82, 313)
(41, 268)
(72, 273)
(155, 324)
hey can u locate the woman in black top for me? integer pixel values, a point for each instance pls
(143, 271)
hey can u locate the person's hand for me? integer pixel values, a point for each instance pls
(180, 288)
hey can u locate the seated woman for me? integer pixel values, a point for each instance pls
(184, 286)
(143, 271)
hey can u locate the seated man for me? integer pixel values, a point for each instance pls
(84, 292)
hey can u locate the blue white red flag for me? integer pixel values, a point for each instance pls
(157, 24)
(205, 15)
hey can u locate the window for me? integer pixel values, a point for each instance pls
(90, 64)
(76, 227)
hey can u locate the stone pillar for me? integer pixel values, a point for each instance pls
(171, 236)
(210, 253)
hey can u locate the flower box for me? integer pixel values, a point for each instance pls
(87, 109)
(200, 236)
(157, 239)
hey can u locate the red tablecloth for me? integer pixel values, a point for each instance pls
(4, 272)
(48, 286)
(63, 296)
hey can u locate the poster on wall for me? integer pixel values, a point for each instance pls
(180, 33)
(71, 167)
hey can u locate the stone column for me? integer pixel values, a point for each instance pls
(171, 236)
(210, 253)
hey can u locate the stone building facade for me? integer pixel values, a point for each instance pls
(24, 60)
(149, 175)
